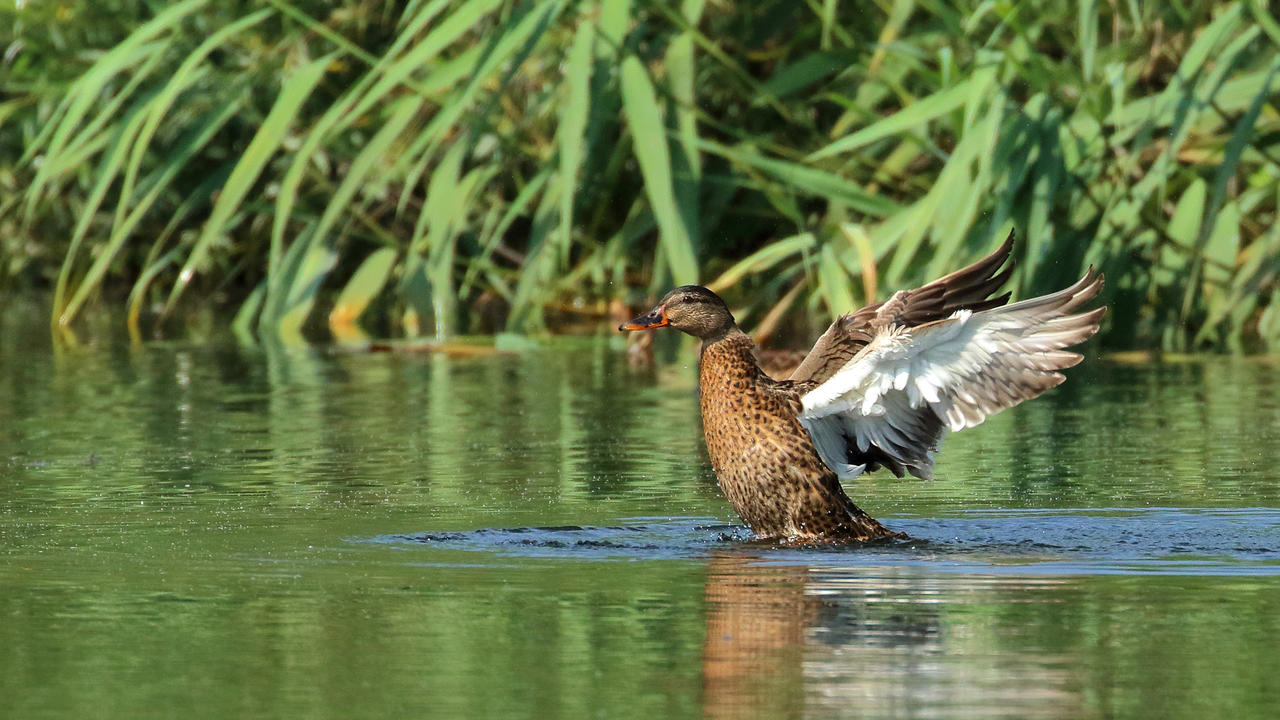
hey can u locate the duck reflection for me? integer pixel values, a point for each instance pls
(752, 664)
(785, 641)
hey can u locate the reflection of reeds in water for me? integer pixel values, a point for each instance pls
(788, 641)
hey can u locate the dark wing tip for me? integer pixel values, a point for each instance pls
(1007, 245)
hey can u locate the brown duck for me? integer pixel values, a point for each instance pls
(878, 389)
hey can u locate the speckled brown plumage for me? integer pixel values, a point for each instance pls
(766, 463)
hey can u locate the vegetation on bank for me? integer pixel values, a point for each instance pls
(435, 166)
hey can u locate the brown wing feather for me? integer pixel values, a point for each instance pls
(969, 288)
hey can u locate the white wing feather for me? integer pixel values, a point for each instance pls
(899, 391)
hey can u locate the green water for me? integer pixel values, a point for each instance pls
(215, 531)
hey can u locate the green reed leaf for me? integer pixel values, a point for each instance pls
(365, 285)
(914, 115)
(573, 127)
(294, 91)
(654, 158)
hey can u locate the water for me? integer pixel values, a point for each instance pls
(228, 532)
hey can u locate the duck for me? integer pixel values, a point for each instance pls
(879, 389)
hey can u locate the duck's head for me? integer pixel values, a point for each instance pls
(689, 308)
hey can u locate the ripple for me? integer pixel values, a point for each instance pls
(1173, 541)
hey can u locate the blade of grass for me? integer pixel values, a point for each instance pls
(1226, 171)
(914, 115)
(84, 90)
(861, 242)
(242, 324)
(106, 174)
(1190, 105)
(952, 227)
(374, 87)
(186, 74)
(371, 89)
(434, 243)
(1265, 19)
(420, 55)
(1173, 105)
(917, 220)
(139, 293)
(768, 325)
(1183, 228)
(763, 259)
(808, 71)
(573, 128)
(889, 32)
(377, 150)
(509, 48)
(834, 284)
(1221, 250)
(294, 91)
(365, 285)
(1219, 262)
(123, 228)
(312, 271)
(651, 153)
(615, 16)
(1088, 34)
(79, 99)
(686, 163)
(1044, 190)
(818, 182)
(490, 238)
(90, 139)
(828, 17)
(537, 274)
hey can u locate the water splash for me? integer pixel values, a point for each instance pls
(1236, 541)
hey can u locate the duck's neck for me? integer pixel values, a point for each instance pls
(731, 349)
(729, 331)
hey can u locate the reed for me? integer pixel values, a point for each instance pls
(436, 167)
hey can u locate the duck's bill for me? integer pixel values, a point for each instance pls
(655, 319)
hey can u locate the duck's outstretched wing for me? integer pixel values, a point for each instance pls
(890, 404)
(967, 289)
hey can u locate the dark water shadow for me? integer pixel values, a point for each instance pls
(1235, 541)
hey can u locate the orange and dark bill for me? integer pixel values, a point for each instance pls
(656, 318)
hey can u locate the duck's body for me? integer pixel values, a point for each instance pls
(878, 389)
(767, 465)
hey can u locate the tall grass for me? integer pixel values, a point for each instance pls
(435, 167)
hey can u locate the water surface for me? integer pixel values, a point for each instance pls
(249, 532)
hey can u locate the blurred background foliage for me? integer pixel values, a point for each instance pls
(429, 168)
